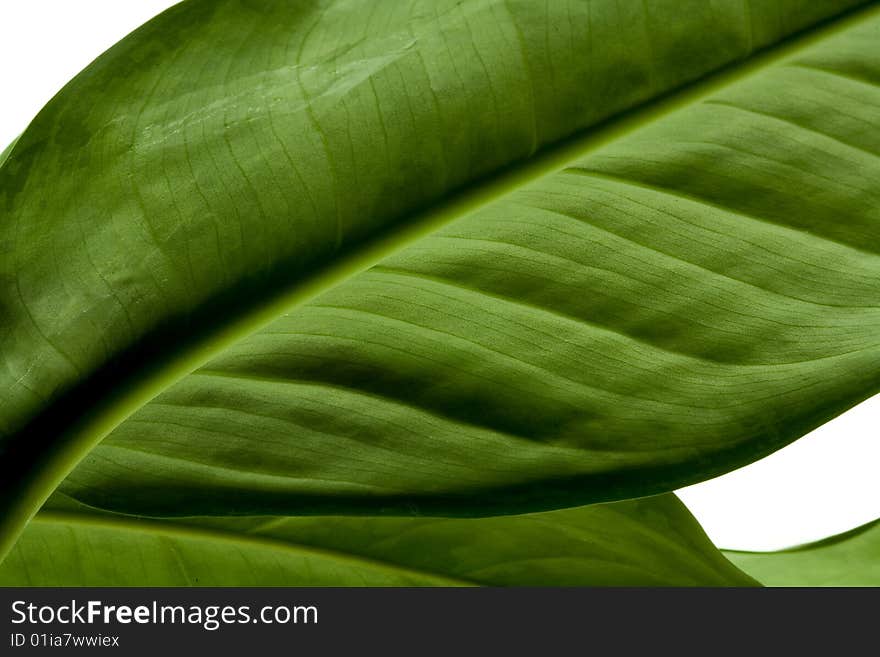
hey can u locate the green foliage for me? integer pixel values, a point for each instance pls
(435, 258)
(848, 559)
(648, 542)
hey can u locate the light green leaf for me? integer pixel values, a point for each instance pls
(648, 542)
(848, 559)
(641, 306)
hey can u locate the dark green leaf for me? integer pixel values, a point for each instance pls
(6, 151)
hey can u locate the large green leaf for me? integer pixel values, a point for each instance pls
(648, 542)
(6, 151)
(848, 559)
(644, 305)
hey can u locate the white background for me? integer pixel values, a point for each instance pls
(823, 484)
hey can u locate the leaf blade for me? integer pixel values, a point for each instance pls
(847, 559)
(660, 311)
(653, 542)
(154, 144)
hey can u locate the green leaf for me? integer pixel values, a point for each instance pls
(848, 559)
(635, 308)
(648, 542)
(6, 151)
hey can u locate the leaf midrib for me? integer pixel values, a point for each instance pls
(98, 421)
